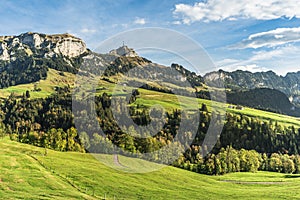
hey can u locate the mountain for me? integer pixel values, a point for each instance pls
(123, 51)
(49, 121)
(264, 99)
(25, 58)
(45, 45)
(245, 80)
(194, 79)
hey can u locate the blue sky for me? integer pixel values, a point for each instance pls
(239, 34)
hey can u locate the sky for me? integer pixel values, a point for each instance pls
(251, 35)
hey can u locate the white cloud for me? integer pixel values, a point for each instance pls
(86, 30)
(280, 53)
(234, 64)
(271, 38)
(219, 10)
(269, 55)
(281, 60)
(250, 68)
(177, 22)
(140, 21)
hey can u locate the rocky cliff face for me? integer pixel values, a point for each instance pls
(26, 58)
(47, 46)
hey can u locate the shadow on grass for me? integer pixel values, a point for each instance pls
(292, 176)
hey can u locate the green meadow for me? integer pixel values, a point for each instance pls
(29, 172)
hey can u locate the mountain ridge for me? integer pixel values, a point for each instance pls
(244, 80)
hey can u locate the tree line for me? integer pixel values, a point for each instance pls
(229, 160)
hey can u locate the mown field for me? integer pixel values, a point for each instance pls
(27, 173)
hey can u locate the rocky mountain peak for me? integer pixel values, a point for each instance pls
(65, 45)
(124, 51)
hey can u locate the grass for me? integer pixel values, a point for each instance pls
(170, 102)
(22, 177)
(27, 174)
(267, 116)
(53, 79)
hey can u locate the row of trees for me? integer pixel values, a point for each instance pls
(231, 160)
(56, 139)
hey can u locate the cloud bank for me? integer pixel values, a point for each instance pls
(219, 10)
(279, 36)
(279, 60)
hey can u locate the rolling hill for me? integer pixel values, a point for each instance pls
(71, 175)
(55, 67)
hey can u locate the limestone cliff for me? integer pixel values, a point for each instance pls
(64, 45)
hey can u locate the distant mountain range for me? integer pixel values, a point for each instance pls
(26, 58)
(245, 80)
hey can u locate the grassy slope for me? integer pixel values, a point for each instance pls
(170, 102)
(47, 86)
(22, 177)
(27, 174)
(147, 97)
(150, 98)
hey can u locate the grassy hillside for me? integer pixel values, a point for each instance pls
(54, 78)
(28, 174)
(147, 97)
(170, 101)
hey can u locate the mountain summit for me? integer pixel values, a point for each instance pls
(26, 58)
(124, 51)
(45, 45)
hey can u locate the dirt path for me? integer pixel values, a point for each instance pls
(117, 162)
